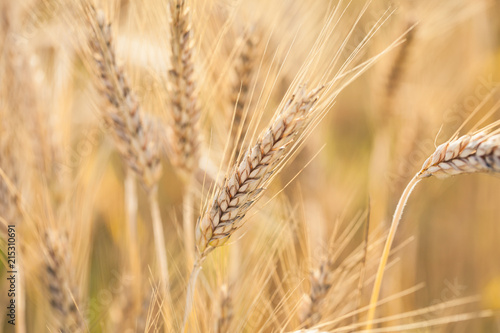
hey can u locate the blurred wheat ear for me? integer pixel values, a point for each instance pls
(61, 289)
(185, 112)
(133, 137)
(184, 141)
(241, 93)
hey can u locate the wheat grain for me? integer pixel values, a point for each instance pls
(185, 113)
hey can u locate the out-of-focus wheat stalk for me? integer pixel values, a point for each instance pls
(225, 310)
(132, 134)
(398, 68)
(61, 290)
(124, 112)
(185, 111)
(472, 153)
(241, 93)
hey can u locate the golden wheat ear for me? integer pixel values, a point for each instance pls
(61, 289)
(246, 182)
(123, 111)
(184, 109)
(476, 153)
(240, 98)
(133, 137)
(468, 154)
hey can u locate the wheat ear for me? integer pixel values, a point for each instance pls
(399, 67)
(132, 137)
(468, 154)
(344, 279)
(61, 290)
(124, 112)
(240, 93)
(245, 183)
(225, 310)
(185, 112)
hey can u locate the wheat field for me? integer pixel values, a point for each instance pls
(249, 166)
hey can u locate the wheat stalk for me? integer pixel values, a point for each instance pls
(184, 140)
(132, 133)
(343, 278)
(398, 69)
(62, 298)
(479, 152)
(185, 112)
(124, 112)
(245, 183)
(225, 310)
(240, 93)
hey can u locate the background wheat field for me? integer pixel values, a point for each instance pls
(234, 166)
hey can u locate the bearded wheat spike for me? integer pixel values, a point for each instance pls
(124, 113)
(184, 109)
(245, 183)
(61, 289)
(468, 154)
(479, 152)
(332, 276)
(323, 279)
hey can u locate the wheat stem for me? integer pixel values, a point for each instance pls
(131, 204)
(188, 223)
(131, 209)
(21, 297)
(190, 290)
(387, 248)
(159, 239)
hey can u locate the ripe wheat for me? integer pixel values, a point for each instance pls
(246, 182)
(124, 113)
(61, 290)
(468, 154)
(185, 113)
